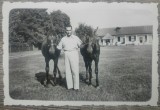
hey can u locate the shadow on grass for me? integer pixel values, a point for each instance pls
(41, 77)
(85, 81)
(82, 77)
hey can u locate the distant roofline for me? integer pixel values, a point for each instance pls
(103, 31)
(131, 34)
(127, 26)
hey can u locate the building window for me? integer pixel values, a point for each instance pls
(118, 39)
(140, 39)
(134, 38)
(129, 38)
(145, 38)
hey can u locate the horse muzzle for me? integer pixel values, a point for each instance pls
(90, 50)
(52, 50)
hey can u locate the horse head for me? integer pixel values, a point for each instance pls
(52, 41)
(89, 44)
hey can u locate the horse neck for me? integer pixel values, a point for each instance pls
(93, 45)
(89, 46)
(52, 46)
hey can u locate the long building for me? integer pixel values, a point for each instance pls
(134, 35)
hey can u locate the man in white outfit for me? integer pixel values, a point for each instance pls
(70, 44)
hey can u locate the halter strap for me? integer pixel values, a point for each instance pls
(51, 40)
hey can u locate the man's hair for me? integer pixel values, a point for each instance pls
(68, 26)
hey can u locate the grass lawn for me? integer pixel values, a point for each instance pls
(124, 75)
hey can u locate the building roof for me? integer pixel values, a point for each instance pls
(107, 36)
(125, 30)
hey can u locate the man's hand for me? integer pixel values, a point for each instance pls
(82, 45)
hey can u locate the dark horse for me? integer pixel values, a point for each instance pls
(50, 51)
(90, 51)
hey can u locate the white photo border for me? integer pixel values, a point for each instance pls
(8, 6)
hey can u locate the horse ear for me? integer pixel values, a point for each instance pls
(95, 31)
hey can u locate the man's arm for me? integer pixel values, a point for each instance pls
(82, 45)
(60, 45)
(79, 42)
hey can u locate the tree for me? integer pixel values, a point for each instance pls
(27, 26)
(31, 26)
(84, 30)
(60, 21)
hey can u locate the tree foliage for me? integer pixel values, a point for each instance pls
(60, 21)
(31, 26)
(84, 30)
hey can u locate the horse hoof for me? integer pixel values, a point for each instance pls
(45, 83)
(98, 87)
(90, 85)
(52, 83)
(46, 86)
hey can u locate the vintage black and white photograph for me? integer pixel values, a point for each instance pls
(83, 52)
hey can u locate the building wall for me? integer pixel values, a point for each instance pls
(145, 39)
(100, 41)
(142, 39)
(118, 40)
(139, 39)
(131, 39)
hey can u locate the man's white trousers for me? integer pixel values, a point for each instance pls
(72, 69)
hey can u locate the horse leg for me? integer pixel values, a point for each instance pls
(46, 82)
(90, 73)
(58, 54)
(86, 65)
(55, 70)
(60, 76)
(96, 72)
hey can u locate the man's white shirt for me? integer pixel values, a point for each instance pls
(69, 43)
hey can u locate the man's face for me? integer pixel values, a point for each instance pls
(69, 31)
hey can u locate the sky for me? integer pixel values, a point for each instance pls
(106, 15)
